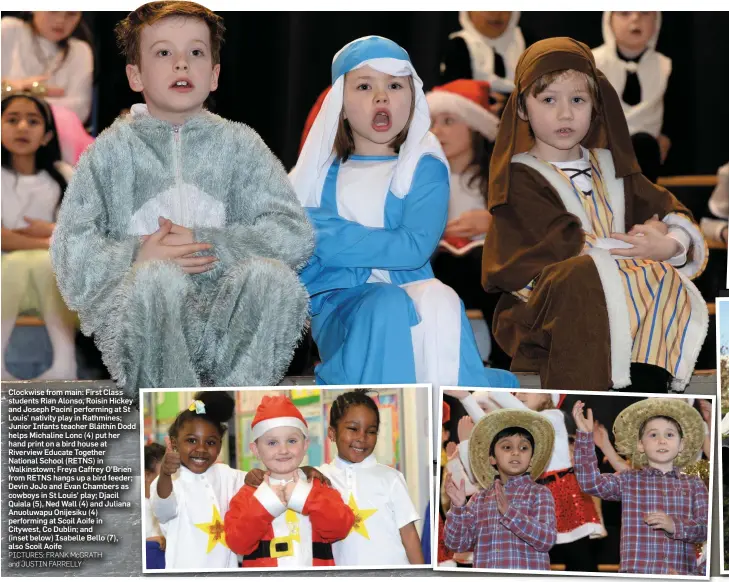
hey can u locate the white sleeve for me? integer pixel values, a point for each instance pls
(472, 408)
(684, 242)
(465, 459)
(165, 509)
(506, 399)
(10, 27)
(458, 473)
(79, 72)
(719, 201)
(400, 501)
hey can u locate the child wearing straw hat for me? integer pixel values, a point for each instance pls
(511, 522)
(664, 512)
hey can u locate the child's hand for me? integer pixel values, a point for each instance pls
(277, 489)
(255, 477)
(660, 520)
(465, 428)
(648, 243)
(312, 473)
(456, 493)
(600, 434)
(468, 224)
(289, 488)
(460, 394)
(179, 235)
(705, 410)
(655, 222)
(502, 501)
(451, 450)
(36, 228)
(584, 423)
(171, 460)
(153, 249)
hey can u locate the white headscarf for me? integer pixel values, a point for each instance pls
(317, 154)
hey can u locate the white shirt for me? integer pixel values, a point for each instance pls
(25, 54)
(362, 189)
(191, 503)
(36, 196)
(382, 499)
(465, 198)
(151, 525)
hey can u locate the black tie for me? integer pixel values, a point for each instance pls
(631, 93)
(499, 67)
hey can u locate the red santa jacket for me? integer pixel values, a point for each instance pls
(256, 514)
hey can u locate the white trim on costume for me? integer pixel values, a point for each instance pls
(260, 428)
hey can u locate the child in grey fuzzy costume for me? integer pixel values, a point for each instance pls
(180, 236)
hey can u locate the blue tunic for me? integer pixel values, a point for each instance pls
(363, 329)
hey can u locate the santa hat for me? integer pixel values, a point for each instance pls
(469, 100)
(446, 412)
(274, 412)
(557, 399)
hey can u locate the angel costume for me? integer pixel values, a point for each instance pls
(378, 314)
(155, 325)
(572, 311)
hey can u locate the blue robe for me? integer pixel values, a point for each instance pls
(363, 329)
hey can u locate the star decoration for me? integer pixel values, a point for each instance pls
(215, 530)
(360, 516)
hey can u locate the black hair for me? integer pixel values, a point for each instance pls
(219, 406)
(673, 421)
(47, 155)
(153, 454)
(508, 432)
(481, 149)
(357, 397)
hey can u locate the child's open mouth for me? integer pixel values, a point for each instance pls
(381, 121)
(564, 132)
(199, 461)
(182, 86)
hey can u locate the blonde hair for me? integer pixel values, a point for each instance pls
(344, 141)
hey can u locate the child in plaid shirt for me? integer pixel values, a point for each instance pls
(664, 512)
(511, 523)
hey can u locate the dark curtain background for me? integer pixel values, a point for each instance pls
(275, 64)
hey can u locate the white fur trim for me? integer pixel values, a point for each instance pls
(259, 429)
(270, 501)
(621, 342)
(300, 493)
(593, 530)
(696, 331)
(698, 249)
(472, 114)
(563, 188)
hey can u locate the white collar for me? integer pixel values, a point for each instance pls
(369, 462)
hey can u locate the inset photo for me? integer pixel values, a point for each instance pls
(722, 364)
(272, 478)
(575, 483)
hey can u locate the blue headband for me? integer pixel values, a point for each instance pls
(372, 47)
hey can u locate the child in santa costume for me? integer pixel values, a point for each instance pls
(466, 129)
(640, 75)
(577, 518)
(287, 521)
(594, 261)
